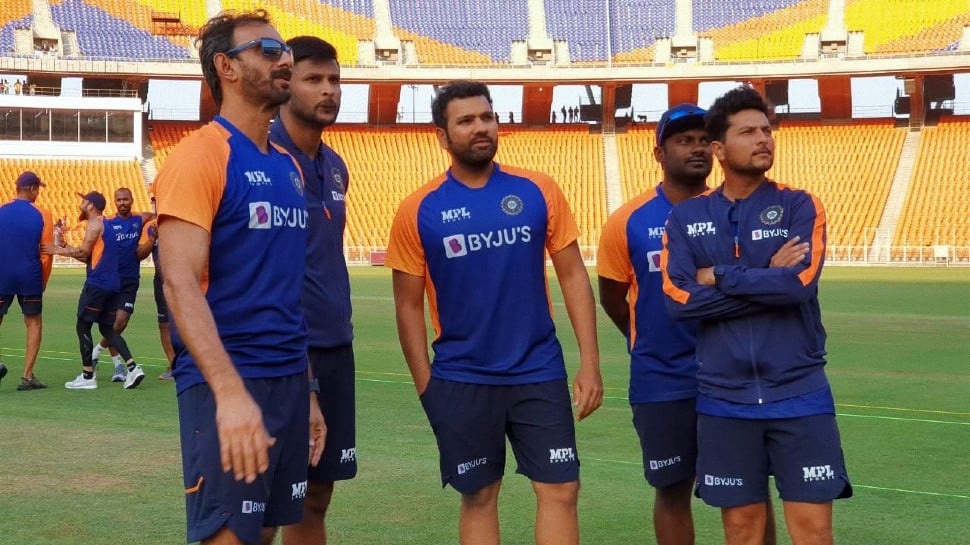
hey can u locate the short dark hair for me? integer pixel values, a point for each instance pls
(452, 90)
(313, 48)
(216, 37)
(736, 100)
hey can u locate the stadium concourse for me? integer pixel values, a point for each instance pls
(895, 187)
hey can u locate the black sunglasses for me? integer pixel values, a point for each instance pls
(270, 48)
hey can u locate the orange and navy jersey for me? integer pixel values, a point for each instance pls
(481, 252)
(24, 226)
(252, 206)
(760, 337)
(102, 264)
(662, 363)
(126, 233)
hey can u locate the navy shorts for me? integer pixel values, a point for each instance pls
(97, 305)
(668, 440)
(161, 307)
(804, 454)
(30, 305)
(215, 499)
(129, 292)
(471, 422)
(334, 370)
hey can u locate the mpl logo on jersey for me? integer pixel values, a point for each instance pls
(760, 234)
(653, 260)
(250, 507)
(817, 473)
(655, 232)
(455, 214)
(298, 490)
(700, 229)
(265, 215)
(257, 178)
(348, 455)
(561, 455)
(460, 245)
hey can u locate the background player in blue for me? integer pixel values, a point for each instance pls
(764, 403)
(99, 295)
(127, 230)
(314, 104)
(663, 369)
(24, 227)
(475, 240)
(232, 244)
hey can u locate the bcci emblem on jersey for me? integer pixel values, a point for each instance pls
(771, 215)
(338, 179)
(297, 182)
(512, 205)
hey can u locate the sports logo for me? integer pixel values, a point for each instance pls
(653, 261)
(259, 215)
(713, 480)
(338, 179)
(772, 214)
(759, 234)
(298, 490)
(455, 246)
(817, 473)
(348, 455)
(661, 464)
(297, 182)
(561, 455)
(249, 507)
(512, 205)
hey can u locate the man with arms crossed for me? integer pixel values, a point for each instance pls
(232, 240)
(663, 370)
(99, 296)
(314, 104)
(24, 227)
(127, 231)
(475, 240)
(764, 403)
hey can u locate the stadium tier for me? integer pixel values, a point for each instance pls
(65, 178)
(937, 209)
(165, 135)
(892, 26)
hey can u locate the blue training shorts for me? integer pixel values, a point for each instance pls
(97, 306)
(668, 440)
(334, 370)
(30, 305)
(736, 455)
(471, 422)
(215, 499)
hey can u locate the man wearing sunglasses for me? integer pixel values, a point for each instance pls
(314, 104)
(232, 229)
(663, 369)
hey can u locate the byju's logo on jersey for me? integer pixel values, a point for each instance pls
(772, 214)
(760, 234)
(465, 467)
(660, 464)
(653, 261)
(455, 214)
(700, 229)
(512, 205)
(260, 215)
(249, 507)
(455, 246)
(713, 480)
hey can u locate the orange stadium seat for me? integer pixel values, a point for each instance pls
(15, 9)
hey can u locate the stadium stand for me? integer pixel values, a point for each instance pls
(165, 134)
(18, 16)
(583, 24)
(67, 177)
(770, 29)
(102, 35)
(916, 26)
(937, 208)
(637, 24)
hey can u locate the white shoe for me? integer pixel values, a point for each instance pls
(81, 383)
(134, 377)
(120, 373)
(96, 352)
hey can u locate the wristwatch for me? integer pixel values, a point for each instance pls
(314, 386)
(718, 275)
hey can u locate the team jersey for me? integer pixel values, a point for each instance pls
(481, 252)
(127, 232)
(150, 227)
(326, 285)
(24, 226)
(102, 264)
(251, 203)
(662, 362)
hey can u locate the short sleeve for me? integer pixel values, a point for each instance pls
(404, 250)
(613, 254)
(561, 228)
(191, 182)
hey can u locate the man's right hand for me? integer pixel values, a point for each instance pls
(243, 441)
(790, 254)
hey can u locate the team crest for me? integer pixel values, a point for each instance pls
(771, 215)
(338, 179)
(297, 182)
(512, 205)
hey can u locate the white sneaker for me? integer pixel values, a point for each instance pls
(81, 383)
(120, 373)
(134, 377)
(96, 352)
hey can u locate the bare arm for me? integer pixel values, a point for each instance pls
(413, 334)
(613, 299)
(81, 253)
(578, 296)
(145, 247)
(243, 441)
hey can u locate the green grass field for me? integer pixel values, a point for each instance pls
(100, 467)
